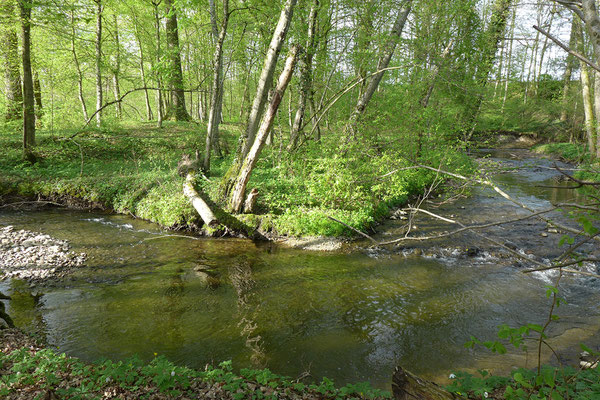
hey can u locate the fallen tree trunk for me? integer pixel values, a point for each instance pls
(199, 204)
(407, 386)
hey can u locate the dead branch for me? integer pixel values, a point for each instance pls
(565, 47)
(354, 229)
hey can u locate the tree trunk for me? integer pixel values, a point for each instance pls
(177, 108)
(587, 99)
(37, 94)
(214, 115)
(306, 76)
(510, 53)
(384, 61)
(239, 189)
(592, 22)
(159, 99)
(9, 51)
(407, 386)
(28, 96)
(149, 114)
(78, 69)
(199, 204)
(117, 69)
(266, 76)
(98, 60)
(570, 65)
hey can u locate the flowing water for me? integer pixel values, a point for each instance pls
(351, 315)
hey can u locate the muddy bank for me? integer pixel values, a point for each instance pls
(35, 257)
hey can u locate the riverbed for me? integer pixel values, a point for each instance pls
(351, 314)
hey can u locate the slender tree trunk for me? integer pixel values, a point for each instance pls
(9, 52)
(28, 96)
(239, 189)
(78, 69)
(266, 76)
(37, 94)
(544, 48)
(138, 37)
(510, 54)
(570, 64)
(159, 99)
(214, 115)
(306, 76)
(117, 69)
(178, 109)
(98, 60)
(384, 61)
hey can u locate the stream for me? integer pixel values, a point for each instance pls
(351, 315)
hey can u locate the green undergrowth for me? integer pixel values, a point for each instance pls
(47, 371)
(131, 169)
(570, 152)
(589, 170)
(551, 383)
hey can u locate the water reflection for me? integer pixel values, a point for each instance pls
(240, 276)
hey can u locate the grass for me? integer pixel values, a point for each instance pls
(131, 169)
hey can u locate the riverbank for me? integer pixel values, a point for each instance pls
(133, 171)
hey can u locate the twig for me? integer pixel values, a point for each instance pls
(31, 202)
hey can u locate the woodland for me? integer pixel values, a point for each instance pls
(272, 119)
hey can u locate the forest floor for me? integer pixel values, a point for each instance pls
(133, 170)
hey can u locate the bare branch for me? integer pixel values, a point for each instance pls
(566, 48)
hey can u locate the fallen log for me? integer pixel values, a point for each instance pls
(408, 386)
(199, 204)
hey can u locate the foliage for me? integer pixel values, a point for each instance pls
(46, 370)
(551, 383)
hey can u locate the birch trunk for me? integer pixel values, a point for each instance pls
(98, 62)
(383, 63)
(239, 189)
(214, 115)
(266, 76)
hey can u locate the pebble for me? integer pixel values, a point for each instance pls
(35, 257)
